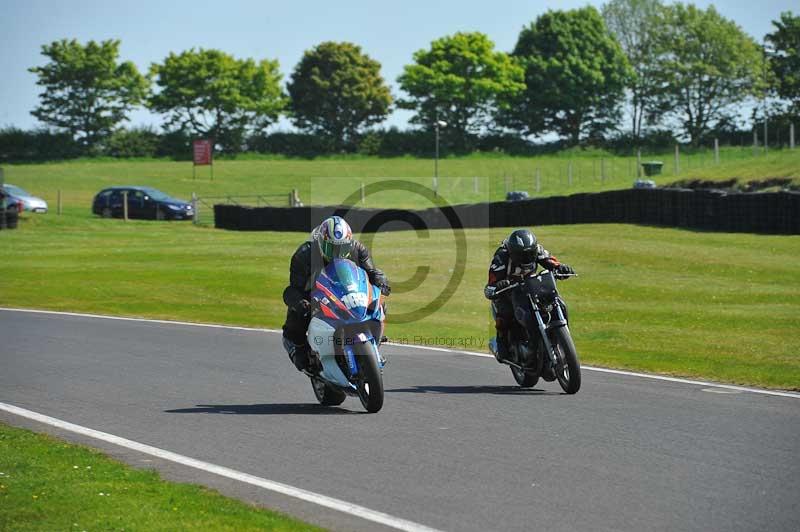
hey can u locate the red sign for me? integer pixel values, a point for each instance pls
(202, 152)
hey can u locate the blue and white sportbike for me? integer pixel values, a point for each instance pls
(344, 334)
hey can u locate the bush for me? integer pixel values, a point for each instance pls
(17, 145)
(175, 144)
(290, 144)
(507, 143)
(136, 142)
(651, 140)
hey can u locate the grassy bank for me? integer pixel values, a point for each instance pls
(323, 181)
(47, 484)
(711, 305)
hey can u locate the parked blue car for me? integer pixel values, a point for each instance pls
(143, 203)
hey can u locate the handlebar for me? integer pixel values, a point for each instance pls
(506, 289)
(512, 286)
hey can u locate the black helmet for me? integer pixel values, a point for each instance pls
(521, 246)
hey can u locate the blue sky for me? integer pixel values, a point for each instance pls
(389, 32)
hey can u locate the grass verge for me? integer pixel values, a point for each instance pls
(48, 484)
(695, 304)
(330, 180)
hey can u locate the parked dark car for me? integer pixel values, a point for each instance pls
(517, 195)
(143, 203)
(644, 183)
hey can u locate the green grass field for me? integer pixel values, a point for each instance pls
(327, 180)
(697, 304)
(47, 484)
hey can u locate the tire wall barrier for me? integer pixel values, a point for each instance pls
(769, 212)
(9, 218)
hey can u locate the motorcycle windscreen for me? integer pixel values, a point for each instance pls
(542, 285)
(346, 286)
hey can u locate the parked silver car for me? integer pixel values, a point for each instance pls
(29, 202)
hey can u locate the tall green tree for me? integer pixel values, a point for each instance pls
(336, 91)
(87, 91)
(634, 23)
(784, 58)
(575, 76)
(462, 81)
(209, 93)
(706, 66)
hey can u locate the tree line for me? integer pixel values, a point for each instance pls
(575, 74)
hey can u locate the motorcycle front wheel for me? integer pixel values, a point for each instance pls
(327, 395)
(370, 382)
(568, 371)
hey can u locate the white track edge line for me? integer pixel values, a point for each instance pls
(146, 320)
(284, 489)
(775, 393)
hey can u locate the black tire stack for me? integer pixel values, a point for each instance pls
(9, 218)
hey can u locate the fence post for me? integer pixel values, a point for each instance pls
(716, 151)
(58, 210)
(602, 170)
(638, 163)
(505, 181)
(125, 205)
(755, 141)
(677, 159)
(791, 136)
(362, 193)
(194, 208)
(569, 173)
(475, 184)
(538, 180)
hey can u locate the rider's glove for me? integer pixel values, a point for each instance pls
(502, 284)
(303, 307)
(564, 269)
(385, 289)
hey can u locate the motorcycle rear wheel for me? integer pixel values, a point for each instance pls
(370, 383)
(568, 371)
(524, 379)
(327, 395)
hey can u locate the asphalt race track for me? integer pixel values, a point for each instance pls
(456, 447)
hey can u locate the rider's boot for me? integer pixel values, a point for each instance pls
(548, 373)
(297, 353)
(499, 348)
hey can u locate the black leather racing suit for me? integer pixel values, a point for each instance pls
(305, 267)
(502, 268)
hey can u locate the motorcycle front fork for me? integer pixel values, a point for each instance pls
(543, 329)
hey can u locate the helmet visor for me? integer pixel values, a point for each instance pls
(523, 256)
(332, 251)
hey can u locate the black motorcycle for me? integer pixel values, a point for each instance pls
(539, 342)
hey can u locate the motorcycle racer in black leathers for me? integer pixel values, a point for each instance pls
(518, 255)
(332, 239)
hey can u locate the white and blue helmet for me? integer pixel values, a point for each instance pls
(335, 238)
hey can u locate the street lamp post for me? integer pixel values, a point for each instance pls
(767, 51)
(437, 125)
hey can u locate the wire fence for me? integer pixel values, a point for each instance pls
(563, 175)
(204, 205)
